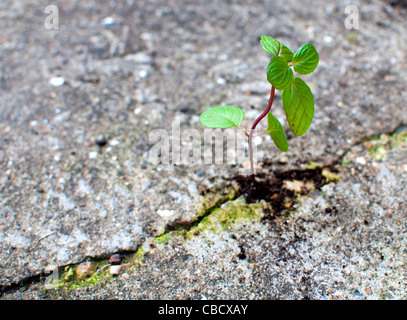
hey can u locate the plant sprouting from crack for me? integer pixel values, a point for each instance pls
(297, 98)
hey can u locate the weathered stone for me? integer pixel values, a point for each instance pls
(115, 270)
(115, 259)
(85, 269)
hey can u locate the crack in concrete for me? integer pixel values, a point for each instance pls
(178, 226)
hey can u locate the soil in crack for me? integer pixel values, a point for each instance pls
(273, 189)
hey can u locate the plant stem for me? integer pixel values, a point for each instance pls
(255, 123)
(259, 133)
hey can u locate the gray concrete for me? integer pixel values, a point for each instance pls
(63, 198)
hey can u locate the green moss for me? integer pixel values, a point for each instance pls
(313, 165)
(229, 215)
(138, 256)
(378, 152)
(68, 278)
(164, 238)
(398, 140)
(97, 277)
(168, 236)
(379, 148)
(345, 162)
(329, 175)
(351, 37)
(69, 274)
(214, 198)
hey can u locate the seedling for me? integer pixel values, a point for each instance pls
(297, 98)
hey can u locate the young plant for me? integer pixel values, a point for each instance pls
(297, 98)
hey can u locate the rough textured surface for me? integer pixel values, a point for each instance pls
(64, 198)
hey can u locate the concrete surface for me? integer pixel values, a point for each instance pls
(64, 199)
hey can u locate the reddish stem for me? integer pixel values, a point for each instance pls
(255, 123)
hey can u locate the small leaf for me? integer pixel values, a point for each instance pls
(276, 131)
(306, 59)
(298, 104)
(276, 48)
(279, 74)
(222, 117)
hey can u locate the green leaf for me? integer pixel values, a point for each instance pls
(276, 48)
(298, 104)
(279, 74)
(275, 129)
(306, 59)
(222, 117)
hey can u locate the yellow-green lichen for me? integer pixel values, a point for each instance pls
(214, 198)
(228, 216)
(164, 238)
(313, 165)
(352, 38)
(69, 274)
(139, 256)
(329, 175)
(345, 162)
(169, 235)
(70, 280)
(379, 148)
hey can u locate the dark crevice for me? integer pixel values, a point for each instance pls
(23, 284)
(242, 254)
(271, 188)
(41, 277)
(399, 128)
(261, 187)
(398, 3)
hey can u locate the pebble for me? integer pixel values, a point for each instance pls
(328, 39)
(93, 155)
(114, 142)
(141, 58)
(221, 81)
(85, 269)
(82, 203)
(143, 73)
(283, 159)
(108, 21)
(165, 213)
(115, 259)
(101, 140)
(146, 36)
(115, 270)
(57, 81)
(200, 173)
(358, 294)
(367, 144)
(387, 296)
(360, 160)
(223, 57)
